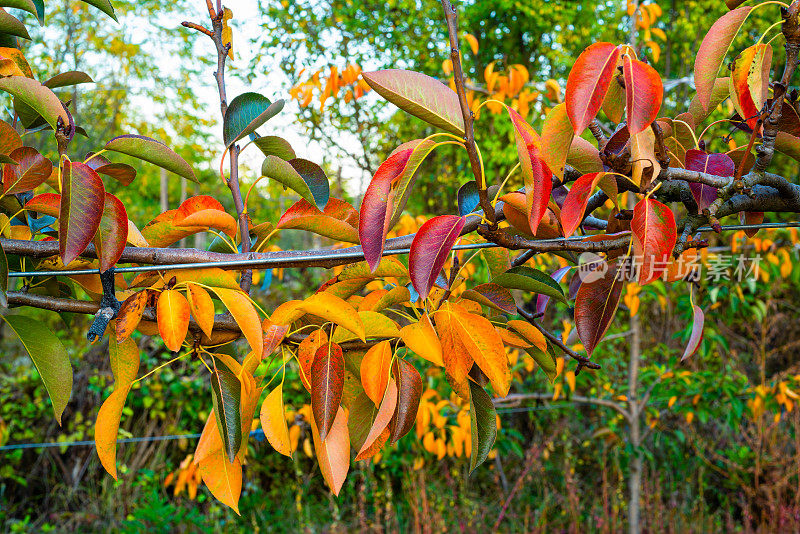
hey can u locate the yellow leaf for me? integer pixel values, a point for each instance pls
(376, 325)
(273, 422)
(227, 33)
(529, 333)
(333, 454)
(421, 338)
(333, 309)
(124, 358)
(473, 42)
(202, 308)
(223, 478)
(245, 315)
(173, 318)
(569, 376)
(375, 368)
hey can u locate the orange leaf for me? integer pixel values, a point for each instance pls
(245, 315)
(421, 338)
(223, 478)
(305, 354)
(333, 453)
(173, 318)
(202, 308)
(375, 368)
(381, 423)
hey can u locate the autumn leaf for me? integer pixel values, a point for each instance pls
(386, 410)
(202, 307)
(696, 337)
(377, 205)
(483, 425)
(409, 393)
(112, 233)
(573, 210)
(644, 93)
(333, 452)
(172, 314)
(31, 171)
(130, 313)
(375, 369)
(421, 338)
(713, 49)
(273, 422)
(245, 315)
(595, 306)
(716, 164)
(654, 237)
(226, 389)
(588, 83)
(430, 248)
(82, 202)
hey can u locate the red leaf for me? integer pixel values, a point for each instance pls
(595, 306)
(409, 392)
(716, 164)
(430, 248)
(82, 202)
(572, 211)
(588, 83)
(713, 50)
(47, 203)
(749, 82)
(112, 234)
(537, 175)
(376, 207)
(327, 383)
(751, 217)
(654, 237)
(698, 320)
(32, 171)
(337, 222)
(644, 93)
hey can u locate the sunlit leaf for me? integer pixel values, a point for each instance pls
(713, 49)
(38, 97)
(749, 82)
(32, 170)
(430, 248)
(644, 93)
(420, 95)
(312, 187)
(654, 237)
(112, 233)
(12, 25)
(375, 369)
(223, 478)
(377, 205)
(152, 151)
(273, 422)
(573, 210)
(246, 113)
(588, 83)
(327, 382)
(68, 79)
(129, 314)
(335, 310)
(124, 364)
(245, 315)
(387, 404)
(409, 392)
(337, 222)
(557, 133)
(333, 452)
(422, 339)
(82, 202)
(201, 307)
(272, 145)
(595, 306)
(529, 279)
(492, 295)
(172, 313)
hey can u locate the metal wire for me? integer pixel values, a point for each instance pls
(356, 254)
(258, 433)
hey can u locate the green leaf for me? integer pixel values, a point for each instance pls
(38, 97)
(227, 394)
(315, 178)
(25, 5)
(420, 95)
(272, 145)
(104, 6)
(545, 360)
(11, 25)
(49, 357)
(152, 151)
(69, 78)
(528, 279)
(245, 114)
(309, 187)
(483, 424)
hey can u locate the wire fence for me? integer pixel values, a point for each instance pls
(354, 253)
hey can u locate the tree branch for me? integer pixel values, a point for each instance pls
(517, 398)
(451, 17)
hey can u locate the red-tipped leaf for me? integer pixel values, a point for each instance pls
(327, 383)
(644, 93)
(430, 248)
(654, 237)
(82, 202)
